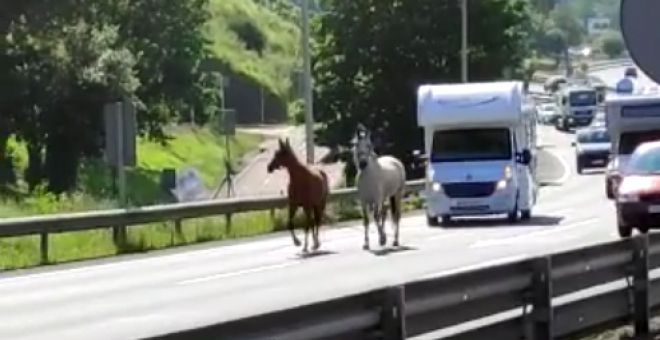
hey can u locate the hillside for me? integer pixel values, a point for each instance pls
(259, 49)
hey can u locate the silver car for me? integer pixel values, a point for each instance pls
(547, 113)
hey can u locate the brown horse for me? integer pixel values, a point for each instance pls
(308, 189)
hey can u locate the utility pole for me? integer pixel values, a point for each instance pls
(307, 84)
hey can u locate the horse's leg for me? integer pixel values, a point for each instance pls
(309, 225)
(395, 205)
(378, 216)
(365, 222)
(292, 213)
(318, 220)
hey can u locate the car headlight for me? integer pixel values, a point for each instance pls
(436, 186)
(502, 184)
(627, 198)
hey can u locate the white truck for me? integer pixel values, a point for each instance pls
(631, 120)
(480, 139)
(578, 105)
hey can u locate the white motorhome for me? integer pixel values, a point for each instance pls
(479, 139)
(631, 120)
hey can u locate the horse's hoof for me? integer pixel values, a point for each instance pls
(297, 243)
(365, 247)
(395, 244)
(383, 241)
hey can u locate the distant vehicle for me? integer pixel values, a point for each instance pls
(547, 113)
(479, 139)
(631, 121)
(599, 120)
(554, 83)
(630, 72)
(638, 194)
(592, 148)
(577, 106)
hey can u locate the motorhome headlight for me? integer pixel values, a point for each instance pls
(502, 184)
(507, 172)
(436, 186)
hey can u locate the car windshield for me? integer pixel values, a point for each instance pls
(547, 107)
(471, 145)
(629, 141)
(583, 98)
(593, 136)
(646, 162)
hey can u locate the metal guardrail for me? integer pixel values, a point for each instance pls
(543, 298)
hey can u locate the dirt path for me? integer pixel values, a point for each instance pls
(254, 180)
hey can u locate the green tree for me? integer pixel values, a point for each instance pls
(564, 19)
(611, 43)
(372, 55)
(62, 61)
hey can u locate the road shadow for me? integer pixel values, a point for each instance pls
(493, 222)
(313, 254)
(592, 172)
(388, 250)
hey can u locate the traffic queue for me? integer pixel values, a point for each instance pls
(626, 143)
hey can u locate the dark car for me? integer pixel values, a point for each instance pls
(638, 193)
(631, 72)
(592, 148)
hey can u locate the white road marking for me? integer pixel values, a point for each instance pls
(491, 263)
(237, 273)
(254, 246)
(565, 166)
(529, 237)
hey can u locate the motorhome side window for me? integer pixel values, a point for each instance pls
(471, 145)
(583, 98)
(628, 141)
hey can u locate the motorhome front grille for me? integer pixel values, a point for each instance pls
(469, 189)
(593, 155)
(583, 113)
(650, 198)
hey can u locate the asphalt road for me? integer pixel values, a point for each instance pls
(131, 299)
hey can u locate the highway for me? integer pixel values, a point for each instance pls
(135, 298)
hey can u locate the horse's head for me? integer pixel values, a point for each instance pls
(282, 157)
(363, 149)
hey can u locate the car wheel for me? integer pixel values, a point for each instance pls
(579, 166)
(608, 190)
(624, 230)
(525, 215)
(446, 219)
(644, 228)
(432, 221)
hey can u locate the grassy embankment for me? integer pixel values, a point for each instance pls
(200, 148)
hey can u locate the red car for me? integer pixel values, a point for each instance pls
(638, 193)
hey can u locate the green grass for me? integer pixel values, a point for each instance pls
(24, 252)
(270, 67)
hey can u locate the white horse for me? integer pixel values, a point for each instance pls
(379, 179)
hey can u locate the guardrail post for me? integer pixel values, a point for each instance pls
(642, 309)
(228, 223)
(44, 248)
(542, 314)
(393, 314)
(119, 236)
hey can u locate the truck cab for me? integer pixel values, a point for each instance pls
(578, 105)
(480, 139)
(631, 120)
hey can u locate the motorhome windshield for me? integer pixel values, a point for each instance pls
(583, 98)
(631, 140)
(471, 145)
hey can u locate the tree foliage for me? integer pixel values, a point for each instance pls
(612, 44)
(372, 54)
(61, 61)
